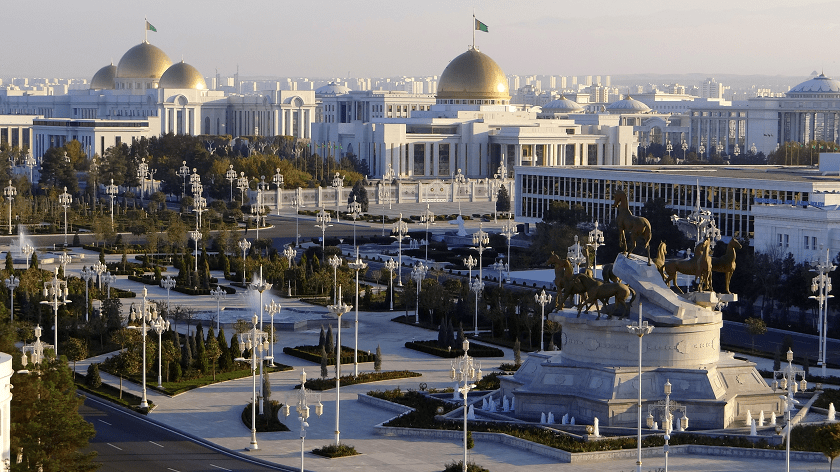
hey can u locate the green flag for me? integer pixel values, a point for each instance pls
(149, 27)
(479, 26)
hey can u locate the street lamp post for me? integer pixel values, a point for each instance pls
(498, 180)
(100, 269)
(337, 184)
(477, 285)
(159, 325)
(108, 279)
(184, 172)
(357, 265)
(667, 417)
(112, 191)
(821, 285)
(278, 181)
(418, 274)
(334, 261)
(355, 210)
(575, 255)
(255, 341)
(458, 179)
(401, 228)
(65, 199)
(87, 274)
(684, 147)
(303, 410)
(427, 218)
(509, 231)
(12, 283)
(63, 260)
(242, 185)
(387, 179)
(501, 267)
(168, 282)
(323, 219)
(146, 313)
(480, 239)
(297, 202)
(338, 309)
(261, 286)
(391, 264)
(596, 240)
(230, 175)
(244, 244)
(290, 253)
(27, 251)
(640, 329)
(142, 174)
(196, 237)
(543, 299)
(470, 262)
(10, 192)
(788, 382)
(272, 308)
(218, 294)
(465, 370)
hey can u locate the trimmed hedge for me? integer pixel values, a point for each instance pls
(313, 354)
(431, 347)
(365, 377)
(332, 451)
(267, 422)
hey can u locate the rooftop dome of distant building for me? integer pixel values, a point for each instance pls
(332, 88)
(819, 84)
(182, 76)
(473, 78)
(103, 79)
(562, 105)
(143, 61)
(628, 105)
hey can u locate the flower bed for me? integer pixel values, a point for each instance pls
(313, 354)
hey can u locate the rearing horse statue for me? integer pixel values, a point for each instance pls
(639, 227)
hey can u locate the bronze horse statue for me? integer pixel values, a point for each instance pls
(639, 227)
(704, 266)
(598, 291)
(688, 267)
(726, 264)
(562, 275)
(659, 260)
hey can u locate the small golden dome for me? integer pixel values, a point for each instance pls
(103, 79)
(143, 61)
(473, 76)
(182, 76)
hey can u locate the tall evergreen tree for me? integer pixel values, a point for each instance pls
(225, 359)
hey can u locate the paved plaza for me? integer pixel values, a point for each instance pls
(213, 412)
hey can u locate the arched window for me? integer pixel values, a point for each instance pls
(207, 125)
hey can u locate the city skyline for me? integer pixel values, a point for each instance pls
(335, 39)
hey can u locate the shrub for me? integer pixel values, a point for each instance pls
(459, 466)
(267, 422)
(333, 450)
(93, 380)
(377, 360)
(431, 347)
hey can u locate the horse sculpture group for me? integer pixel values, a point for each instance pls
(632, 228)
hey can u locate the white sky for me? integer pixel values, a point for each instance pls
(383, 38)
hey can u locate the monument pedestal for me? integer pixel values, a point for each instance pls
(597, 375)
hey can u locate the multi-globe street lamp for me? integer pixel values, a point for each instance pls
(355, 210)
(108, 279)
(87, 274)
(230, 175)
(10, 192)
(297, 202)
(465, 370)
(418, 274)
(470, 262)
(218, 294)
(260, 285)
(27, 251)
(144, 314)
(63, 260)
(305, 398)
(387, 178)
(12, 283)
(159, 325)
(337, 184)
(196, 237)
(334, 261)
(100, 269)
(821, 285)
(789, 383)
(640, 329)
(272, 308)
(667, 416)
(575, 255)
(338, 309)
(391, 264)
(401, 228)
(458, 179)
(427, 218)
(244, 244)
(500, 267)
(184, 172)
(480, 238)
(323, 220)
(242, 185)
(112, 191)
(596, 240)
(357, 265)
(256, 342)
(65, 199)
(278, 181)
(168, 282)
(290, 253)
(543, 299)
(477, 285)
(509, 231)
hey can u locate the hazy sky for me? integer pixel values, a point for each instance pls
(380, 38)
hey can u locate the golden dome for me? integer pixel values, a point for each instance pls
(143, 61)
(103, 79)
(182, 76)
(473, 76)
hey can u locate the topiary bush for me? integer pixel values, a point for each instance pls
(333, 450)
(93, 380)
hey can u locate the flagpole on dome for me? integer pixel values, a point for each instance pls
(145, 30)
(473, 29)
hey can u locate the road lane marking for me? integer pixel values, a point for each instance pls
(173, 470)
(156, 444)
(211, 465)
(109, 424)
(115, 447)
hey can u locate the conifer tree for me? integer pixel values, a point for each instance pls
(322, 338)
(377, 359)
(330, 342)
(324, 363)
(93, 380)
(225, 359)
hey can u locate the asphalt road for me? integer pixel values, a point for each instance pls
(127, 443)
(803, 344)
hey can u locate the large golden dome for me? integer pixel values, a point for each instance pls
(103, 79)
(182, 76)
(143, 61)
(473, 76)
